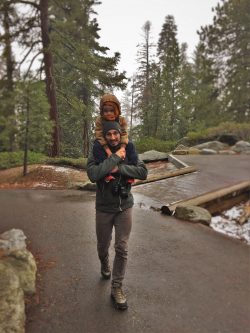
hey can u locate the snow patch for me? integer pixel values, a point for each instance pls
(228, 225)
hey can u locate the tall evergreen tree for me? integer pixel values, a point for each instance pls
(186, 92)
(225, 48)
(142, 81)
(8, 17)
(83, 71)
(206, 106)
(169, 61)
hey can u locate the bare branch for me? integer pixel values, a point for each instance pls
(27, 3)
(28, 53)
(31, 63)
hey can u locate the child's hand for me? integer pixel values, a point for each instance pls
(121, 153)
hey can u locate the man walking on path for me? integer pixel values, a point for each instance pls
(114, 203)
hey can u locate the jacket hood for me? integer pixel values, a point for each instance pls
(109, 98)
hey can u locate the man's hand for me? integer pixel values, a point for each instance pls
(121, 153)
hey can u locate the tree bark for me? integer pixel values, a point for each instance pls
(50, 81)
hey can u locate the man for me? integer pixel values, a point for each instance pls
(114, 203)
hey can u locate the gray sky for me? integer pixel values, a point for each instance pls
(121, 23)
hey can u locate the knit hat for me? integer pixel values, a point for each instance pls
(110, 100)
(109, 125)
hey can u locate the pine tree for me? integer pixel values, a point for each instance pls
(206, 108)
(8, 17)
(83, 71)
(232, 28)
(169, 61)
(143, 92)
(186, 92)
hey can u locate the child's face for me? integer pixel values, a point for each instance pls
(108, 109)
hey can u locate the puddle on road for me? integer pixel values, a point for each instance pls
(227, 223)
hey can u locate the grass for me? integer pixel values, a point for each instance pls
(146, 144)
(15, 159)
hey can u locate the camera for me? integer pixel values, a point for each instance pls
(123, 192)
(119, 189)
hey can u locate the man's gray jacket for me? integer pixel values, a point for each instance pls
(106, 201)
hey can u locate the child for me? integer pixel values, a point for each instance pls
(110, 110)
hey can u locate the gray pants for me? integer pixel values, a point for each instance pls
(122, 221)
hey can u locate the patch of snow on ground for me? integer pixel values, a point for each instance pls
(227, 224)
(58, 169)
(42, 185)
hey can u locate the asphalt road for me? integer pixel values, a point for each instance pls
(181, 277)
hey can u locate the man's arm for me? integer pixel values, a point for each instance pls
(96, 172)
(138, 171)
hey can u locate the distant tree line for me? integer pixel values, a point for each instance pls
(50, 107)
(170, 95)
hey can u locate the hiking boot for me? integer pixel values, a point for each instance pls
(105, 269)
(119, 298)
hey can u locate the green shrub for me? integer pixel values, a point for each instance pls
(148, 143)
(78, 163)
(14, 159)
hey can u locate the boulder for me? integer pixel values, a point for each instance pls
(25, 269)
(153, 155)
(87, 186)
(12, 309)
(193, 214)
(227, 152)
(12, 240)
(194, 151)
(215, 145)
(17, 277)
(242, 147)
(206, 151)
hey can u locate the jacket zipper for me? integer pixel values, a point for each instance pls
(120, 199)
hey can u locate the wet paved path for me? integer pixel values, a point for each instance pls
(181, 277)
(214, 172)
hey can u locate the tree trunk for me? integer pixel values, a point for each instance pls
(26, 138)
(85, 138)
(50, 81)
(10, 109)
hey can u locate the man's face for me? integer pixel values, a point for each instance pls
(113, 137)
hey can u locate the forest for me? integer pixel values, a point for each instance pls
(50, 91)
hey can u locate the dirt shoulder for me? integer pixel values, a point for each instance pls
(42, 176)
(59, 177)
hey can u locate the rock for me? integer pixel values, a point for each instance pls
(227, 152)
(89, 187)
(153, 155)
(193, 214)
(206, 151)
(229, 139)
(12, 314)
(17, 277)
(242, 147)
(181, 147)
(12, 240)
(194, 151)
(180, 152)
(25, 268)
(215, 145)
